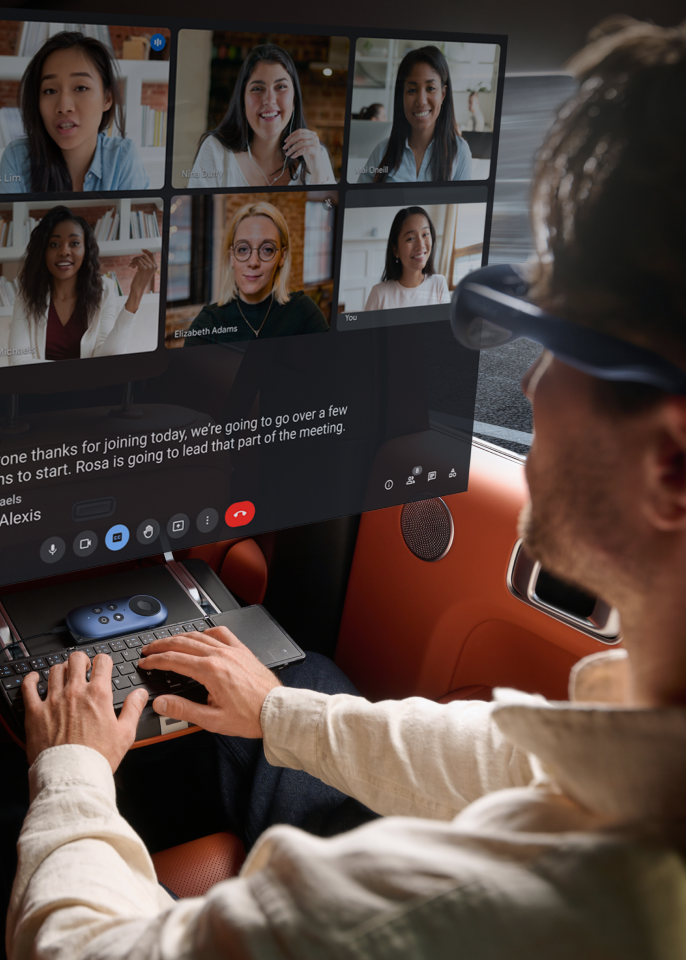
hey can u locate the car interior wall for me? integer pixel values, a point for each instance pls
(307, 576)
(412, 628)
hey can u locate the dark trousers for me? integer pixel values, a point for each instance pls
(200, 784)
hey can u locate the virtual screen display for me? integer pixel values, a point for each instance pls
(226, 263)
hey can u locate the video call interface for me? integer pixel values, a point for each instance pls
(227, 254)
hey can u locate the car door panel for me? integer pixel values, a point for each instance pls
(412, 628)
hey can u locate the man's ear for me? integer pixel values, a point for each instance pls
(665, 503)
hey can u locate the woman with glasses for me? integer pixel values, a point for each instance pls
(255, 300)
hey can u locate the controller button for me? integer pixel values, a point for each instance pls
(103, 619)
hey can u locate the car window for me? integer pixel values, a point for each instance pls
(502, 414)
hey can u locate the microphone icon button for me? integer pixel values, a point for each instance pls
(52, 549)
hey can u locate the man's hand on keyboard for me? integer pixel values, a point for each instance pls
(236, 681)
(77, 711)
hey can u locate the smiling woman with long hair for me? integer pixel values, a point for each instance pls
(424, 143)
(409, 278)
(264, 139)
(65, 309)
(256, 301)
(69, 96)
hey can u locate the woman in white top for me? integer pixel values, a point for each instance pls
(65, 309)
(263, 140)
(409, 279)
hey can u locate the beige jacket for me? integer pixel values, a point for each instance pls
(108, 332)
(574, 851)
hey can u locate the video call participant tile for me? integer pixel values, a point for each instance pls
(81, 280)
(422, 110)
(271, 114)
(272, 257)
(405, 251)
(83, 107)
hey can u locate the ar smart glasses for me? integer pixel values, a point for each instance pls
(488, 311)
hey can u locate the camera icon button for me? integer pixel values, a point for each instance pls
(85, 543)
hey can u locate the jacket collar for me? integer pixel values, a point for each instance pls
(621, 763)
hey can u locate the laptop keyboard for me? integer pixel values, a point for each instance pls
(127, 673)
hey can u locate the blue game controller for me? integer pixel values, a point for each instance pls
(111, 618)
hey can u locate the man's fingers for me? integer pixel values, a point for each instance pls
(177, 708)
(78, 665)
(56, 680)
(224, 635)
(188, 665)
(194, 643)
(29, 692)
(131, 712)
(101, 673)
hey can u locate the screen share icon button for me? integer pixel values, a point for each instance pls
(178, 526)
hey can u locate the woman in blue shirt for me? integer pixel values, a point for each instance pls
(424, 143)
(69, 96)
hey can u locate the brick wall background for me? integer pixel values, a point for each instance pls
(119, 34)
(155, 95)
(9, 91)
(9, 37)
(292, 206)
(10, 31)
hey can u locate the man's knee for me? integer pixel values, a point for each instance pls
(317, 672)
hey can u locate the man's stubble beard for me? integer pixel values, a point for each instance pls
(575, 524)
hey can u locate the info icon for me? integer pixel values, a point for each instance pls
(239, 514)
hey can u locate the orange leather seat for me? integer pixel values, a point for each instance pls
(192, 868)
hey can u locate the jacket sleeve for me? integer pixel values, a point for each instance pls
(20, 347)
(86, 888)
(114, 331)
(408, 757)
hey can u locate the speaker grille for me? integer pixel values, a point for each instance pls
(427, 528)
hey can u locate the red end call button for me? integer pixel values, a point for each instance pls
(240, 513)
